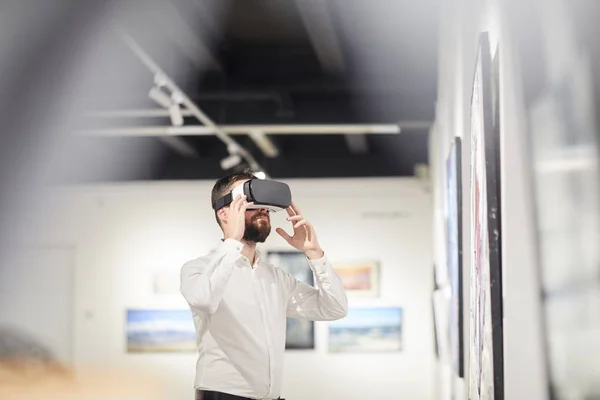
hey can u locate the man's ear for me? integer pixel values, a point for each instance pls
(222, 213)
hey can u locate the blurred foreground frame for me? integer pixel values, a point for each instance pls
(28, 370)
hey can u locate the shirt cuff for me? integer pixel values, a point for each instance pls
(319, 264)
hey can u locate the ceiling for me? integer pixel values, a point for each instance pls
(271, 65)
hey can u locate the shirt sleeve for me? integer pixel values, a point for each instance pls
(203, 281)
(326, 301)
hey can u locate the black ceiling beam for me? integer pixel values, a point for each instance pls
(298, 78)
(334, 108)
(321, 110)
(307, 166)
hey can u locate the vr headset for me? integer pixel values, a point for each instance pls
(272, 195)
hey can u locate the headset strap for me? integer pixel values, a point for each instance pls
(223, 201)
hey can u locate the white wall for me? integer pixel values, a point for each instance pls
(125, 232)
(461, 23)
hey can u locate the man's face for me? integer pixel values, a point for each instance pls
(258, 222)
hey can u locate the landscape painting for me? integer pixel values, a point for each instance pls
(359, 277)
(160, 330)
(367, 330)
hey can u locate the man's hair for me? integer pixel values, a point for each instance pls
(224, 184)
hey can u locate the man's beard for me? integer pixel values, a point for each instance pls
(256, 231)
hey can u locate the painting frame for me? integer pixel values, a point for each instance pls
(454, 248)
(440, 301)
(486, 378)
(354, 273)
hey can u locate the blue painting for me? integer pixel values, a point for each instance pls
(160, 330)
(367, 330)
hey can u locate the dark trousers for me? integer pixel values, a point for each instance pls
(209, 395)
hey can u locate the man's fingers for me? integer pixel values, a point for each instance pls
(283, 234)
(234, 203)
(245, 205)
(300, 223)
(295, 208)
(295, 218)
(310, 232)
(239, 202)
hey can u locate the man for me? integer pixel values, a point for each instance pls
(240, 303)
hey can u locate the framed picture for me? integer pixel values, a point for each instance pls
(367, 330)
(435, 327)
(436, 347)
(300, 333)
(454, 253)
(486, 351)
(360, 278)
(440, 300)
(160, 331)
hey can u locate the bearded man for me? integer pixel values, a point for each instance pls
(240, 303)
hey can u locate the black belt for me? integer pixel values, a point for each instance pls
(210, 395)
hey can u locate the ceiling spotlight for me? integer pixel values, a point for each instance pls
(233, 148)
(160, 80)
(160, 97)
(175, 114)
(175, 109)
(231, 162)
(177, 98)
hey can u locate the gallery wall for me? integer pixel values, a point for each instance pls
(126, 236)
(461, 23)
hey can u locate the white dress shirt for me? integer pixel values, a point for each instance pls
(240, 314)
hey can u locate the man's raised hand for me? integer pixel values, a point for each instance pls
(304, 238)
(235, 225)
